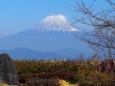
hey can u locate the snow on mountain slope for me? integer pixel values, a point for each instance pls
(51, 34)
(55, 23)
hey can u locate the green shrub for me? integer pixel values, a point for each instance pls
(81, 71)
(94, 78)
(42, 66)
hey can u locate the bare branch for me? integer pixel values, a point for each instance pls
(102, 38)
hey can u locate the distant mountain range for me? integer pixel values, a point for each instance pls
(24, 53)
(50, 38)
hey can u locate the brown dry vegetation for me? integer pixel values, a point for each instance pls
(47, 73)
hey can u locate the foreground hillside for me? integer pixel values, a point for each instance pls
(52, 72)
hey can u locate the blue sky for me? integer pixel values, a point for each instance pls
(18, 15)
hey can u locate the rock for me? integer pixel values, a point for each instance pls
(107, 66)
(8, 72)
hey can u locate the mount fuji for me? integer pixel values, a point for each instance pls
(55, 23)
(52, 34)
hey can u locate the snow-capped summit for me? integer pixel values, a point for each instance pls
(54, 18)
(52, 37)
(55, 23)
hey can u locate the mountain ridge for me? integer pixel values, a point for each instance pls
(25, 53)
(44, 40)
(55, 23)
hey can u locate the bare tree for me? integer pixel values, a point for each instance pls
(102, 37)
